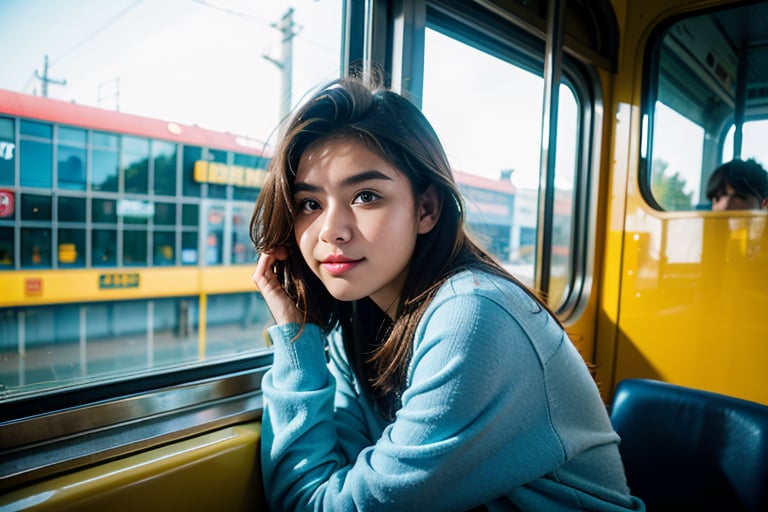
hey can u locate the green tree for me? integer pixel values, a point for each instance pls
(667, 189)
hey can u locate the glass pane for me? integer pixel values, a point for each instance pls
(676, 167)
(71, 167)
(35, 129)
(189, 252)
(134, 164)
(216, 190)
(7, 151)
(6, 248)
(190, 215)
(36, 164)
(235, 322)
(105, 170)
(164, 158)
(164, 243)
(71, 209)
(165, 214)
(565, 184)
(243, 250)
(36, 207)
(76, 136)
(104, 243)
(134, 248)
(189, 185)
(35, 248)
(251, 164)
(71, 251)
(497, 169)
(214, 241)
(104, 210)
(754, 135)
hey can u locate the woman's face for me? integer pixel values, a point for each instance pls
(357, 221)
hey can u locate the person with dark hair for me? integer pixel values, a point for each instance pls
(738, 185)
(411, 370)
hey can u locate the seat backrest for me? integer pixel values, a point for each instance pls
(687, 449)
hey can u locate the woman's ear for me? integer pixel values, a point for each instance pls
(429, 204)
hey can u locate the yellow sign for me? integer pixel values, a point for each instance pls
(119, 280)
(223, 174)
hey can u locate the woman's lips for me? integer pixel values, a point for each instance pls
(336, 266)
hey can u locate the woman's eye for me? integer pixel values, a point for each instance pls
(308, 205)
(366, 196)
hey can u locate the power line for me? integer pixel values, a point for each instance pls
(239, 14)
(96, 32)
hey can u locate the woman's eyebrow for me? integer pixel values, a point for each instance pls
(355, 179)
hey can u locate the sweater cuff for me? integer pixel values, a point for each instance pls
(299, 362)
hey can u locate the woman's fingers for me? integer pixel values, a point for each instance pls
(265, 277)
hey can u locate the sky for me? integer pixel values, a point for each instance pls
(190, 61)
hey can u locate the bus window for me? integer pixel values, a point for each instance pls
(131, 153)
(755, 133)
(497, 167)
(676, 166)
(703, 89)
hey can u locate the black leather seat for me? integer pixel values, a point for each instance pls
(687, 449)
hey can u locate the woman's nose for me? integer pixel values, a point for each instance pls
(336, 226)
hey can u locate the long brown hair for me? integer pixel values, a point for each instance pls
(396, 130)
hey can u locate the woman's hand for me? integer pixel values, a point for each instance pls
(283, 310)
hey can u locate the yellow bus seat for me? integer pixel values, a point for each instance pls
(217, 471)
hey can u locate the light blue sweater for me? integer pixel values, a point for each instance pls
(499, 409)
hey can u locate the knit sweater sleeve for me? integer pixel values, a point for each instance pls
(472, 425)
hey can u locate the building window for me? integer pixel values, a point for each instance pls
(71, 251)
(104, 248)
(70, 153)
(71, 209)
(35, 248)
(164, 159)
(104, 173)
(135, 165)
(7, 151)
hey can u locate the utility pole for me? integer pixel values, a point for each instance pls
(288, 29)
(45, 80)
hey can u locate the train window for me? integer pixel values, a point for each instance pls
(497, 162)
(705, 102)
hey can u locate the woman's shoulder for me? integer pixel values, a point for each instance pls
(491, 297)
(481, 283)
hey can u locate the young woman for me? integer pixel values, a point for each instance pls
(411, 371)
